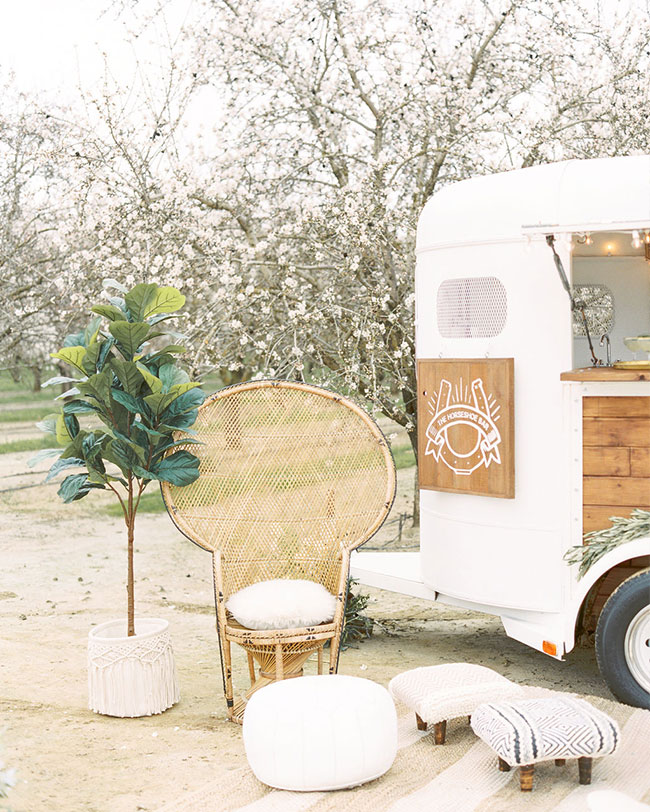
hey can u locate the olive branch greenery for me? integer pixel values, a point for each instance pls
(598, 543)
(355, 625)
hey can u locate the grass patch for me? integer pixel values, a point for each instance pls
(150, 503)
(29, 444)
(27, 415)
(403, 456)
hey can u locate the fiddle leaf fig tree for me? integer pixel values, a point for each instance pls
(137, 397)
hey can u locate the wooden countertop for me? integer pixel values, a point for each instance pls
(605, 374)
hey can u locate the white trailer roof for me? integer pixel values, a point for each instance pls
(580, 195)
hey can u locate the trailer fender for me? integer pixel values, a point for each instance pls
(631, 549)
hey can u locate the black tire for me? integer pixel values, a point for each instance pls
(614, 656)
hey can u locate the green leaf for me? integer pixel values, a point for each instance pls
(103, 353)
(72, 355)
(148, 430)
(158, 401)
(78, 407)
(113, 284)
(185, 402)
(74, 339)
(45, 454)
(63, 437)
(76, 486)
(134, 405)
(181, 422)
(58, 379)
(175, 443)
(154, 383)
(128, 375)
(171, 375)
(129, 337)
(91, 332)
(48, 423)
(180, 468)
(138, 298)
(71, 424)
(62, 465)
(109, 312)
(166, 300)
(98, 386)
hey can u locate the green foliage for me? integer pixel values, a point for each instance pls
(598, 543)
(356, 626)
(140, 396)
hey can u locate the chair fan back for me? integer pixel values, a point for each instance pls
(291, 475)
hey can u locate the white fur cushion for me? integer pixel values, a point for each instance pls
(282, 604)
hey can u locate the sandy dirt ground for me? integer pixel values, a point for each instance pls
(63, 571)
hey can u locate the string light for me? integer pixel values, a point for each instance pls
(588, 239)
(636, 239)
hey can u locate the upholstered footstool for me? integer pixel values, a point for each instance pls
(440, 692)
(320, 733)
(526, 731)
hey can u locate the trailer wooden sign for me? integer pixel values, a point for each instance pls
(466, 426)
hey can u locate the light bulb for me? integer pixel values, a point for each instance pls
(588, 239)
(647, 236)
(636, 239)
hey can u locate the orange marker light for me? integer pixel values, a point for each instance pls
(549, 648)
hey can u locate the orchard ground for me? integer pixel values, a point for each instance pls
(63, 571)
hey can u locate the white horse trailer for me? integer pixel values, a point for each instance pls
(527, 440)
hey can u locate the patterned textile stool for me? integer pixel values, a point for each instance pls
(527, 731)
(320, 733)
(440, 692)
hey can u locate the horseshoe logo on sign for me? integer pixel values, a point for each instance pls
(480, 415)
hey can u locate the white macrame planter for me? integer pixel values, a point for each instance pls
(131, 676)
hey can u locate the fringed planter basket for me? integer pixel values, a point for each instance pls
(131, 676)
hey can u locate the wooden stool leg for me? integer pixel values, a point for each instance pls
(584, 770)
(469, 720)
(526, 773)
(422, 725)
(504, 767)
(560, 762)
(439, 732)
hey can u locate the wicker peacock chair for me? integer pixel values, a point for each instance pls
(293, 478)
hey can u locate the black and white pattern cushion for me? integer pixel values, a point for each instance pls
(530, 730)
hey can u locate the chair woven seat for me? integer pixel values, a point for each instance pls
(292, 479)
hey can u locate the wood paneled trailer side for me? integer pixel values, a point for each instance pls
(528, 284)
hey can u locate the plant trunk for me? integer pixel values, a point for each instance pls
(130, 525)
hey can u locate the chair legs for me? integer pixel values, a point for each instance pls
(422, 725)
(527, 771)
(526, 774)
(440, 732)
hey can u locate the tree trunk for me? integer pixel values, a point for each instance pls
(130, 525)
(36, 372)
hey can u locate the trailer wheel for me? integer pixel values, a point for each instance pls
(623, 641)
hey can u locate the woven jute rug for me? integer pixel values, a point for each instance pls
(459, 776)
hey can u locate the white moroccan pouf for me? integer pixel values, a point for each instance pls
(526, 731)
(320, 733)
(440, 692)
